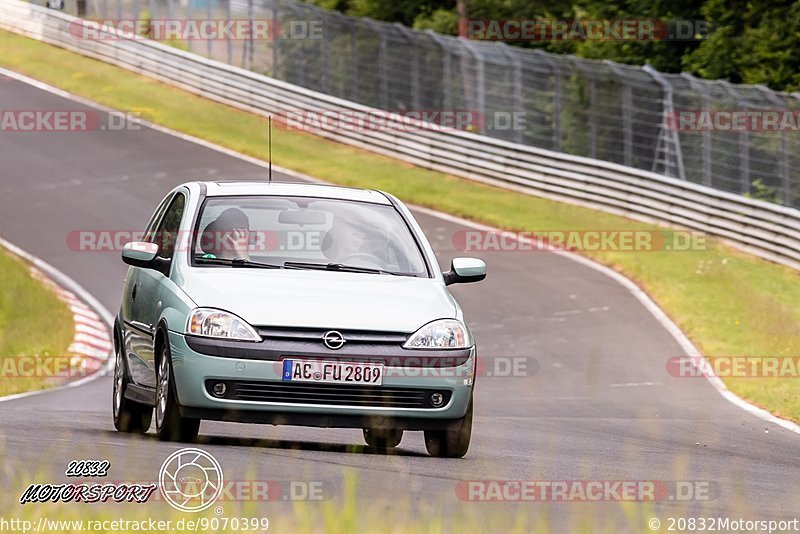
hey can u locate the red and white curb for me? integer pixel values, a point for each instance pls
(91, 345)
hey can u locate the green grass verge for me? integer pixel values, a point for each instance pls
(34, 323)
(729, 303)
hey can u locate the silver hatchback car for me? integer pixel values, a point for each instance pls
(296, 304)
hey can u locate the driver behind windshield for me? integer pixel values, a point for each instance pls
(227, 237)
(347, 243)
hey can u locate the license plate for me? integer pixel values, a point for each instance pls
(332, 372)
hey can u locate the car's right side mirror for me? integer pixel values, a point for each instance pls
(465, 270)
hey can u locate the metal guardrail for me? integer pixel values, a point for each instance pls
(672, 124)
(768, 230)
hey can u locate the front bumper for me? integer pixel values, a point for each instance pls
(194, 372)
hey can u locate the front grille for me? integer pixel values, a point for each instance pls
(316, 334)
(328, 394)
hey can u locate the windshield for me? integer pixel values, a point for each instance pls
(300, 232)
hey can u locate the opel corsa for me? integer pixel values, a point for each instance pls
(294, 304)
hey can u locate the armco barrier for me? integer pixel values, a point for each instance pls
(768, 230)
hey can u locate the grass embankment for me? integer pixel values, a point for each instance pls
(34, 324)
(727, 302)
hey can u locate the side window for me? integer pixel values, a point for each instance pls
(150, 231)
(166, 236)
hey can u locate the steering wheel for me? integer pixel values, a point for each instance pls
(364, 256)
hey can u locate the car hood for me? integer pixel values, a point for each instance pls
(321, 299)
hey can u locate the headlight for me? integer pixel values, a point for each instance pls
(442, 334)
(220, 324)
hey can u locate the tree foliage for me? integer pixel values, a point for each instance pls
(749, 41)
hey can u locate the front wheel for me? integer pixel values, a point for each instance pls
(452, 441)
(381, 438)
(170, 426)
(129, 416)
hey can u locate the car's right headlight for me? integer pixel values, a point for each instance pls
(441, 334)
(208, 322)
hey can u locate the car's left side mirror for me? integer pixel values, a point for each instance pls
(465, 270)
(140, 254)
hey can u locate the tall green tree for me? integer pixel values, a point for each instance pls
(750, 41)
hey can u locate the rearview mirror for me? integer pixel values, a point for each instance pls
(140, 254)
(465, 270)
(301, 217)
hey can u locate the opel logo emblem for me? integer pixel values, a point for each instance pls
(333, 340)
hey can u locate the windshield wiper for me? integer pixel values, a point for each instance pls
(341, 267)
(238, 262)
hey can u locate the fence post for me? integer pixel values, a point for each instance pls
(480, 78)
(557, 94)
(744, 141)
(669, 136)
(228, 44)
(702, 88)
(783, 156)
(627, 121)
(591, 120)
(383, 82)
(189, 16)
(447, 76)
(208, 17)
(411, 40)
(516, 88)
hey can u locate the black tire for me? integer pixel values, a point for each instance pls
(452, 441)
(129, 416)
(382, 438)
(170, 426)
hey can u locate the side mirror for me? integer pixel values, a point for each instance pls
(141, 254)
(464, 271)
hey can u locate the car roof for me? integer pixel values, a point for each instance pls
(294, 189)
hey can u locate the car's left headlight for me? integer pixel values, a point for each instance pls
(209, 322)
(441, 334)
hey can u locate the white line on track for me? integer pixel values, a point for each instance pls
(636, 291)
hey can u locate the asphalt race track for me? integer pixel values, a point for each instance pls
(600, 404)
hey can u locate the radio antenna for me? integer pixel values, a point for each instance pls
(270, 148)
